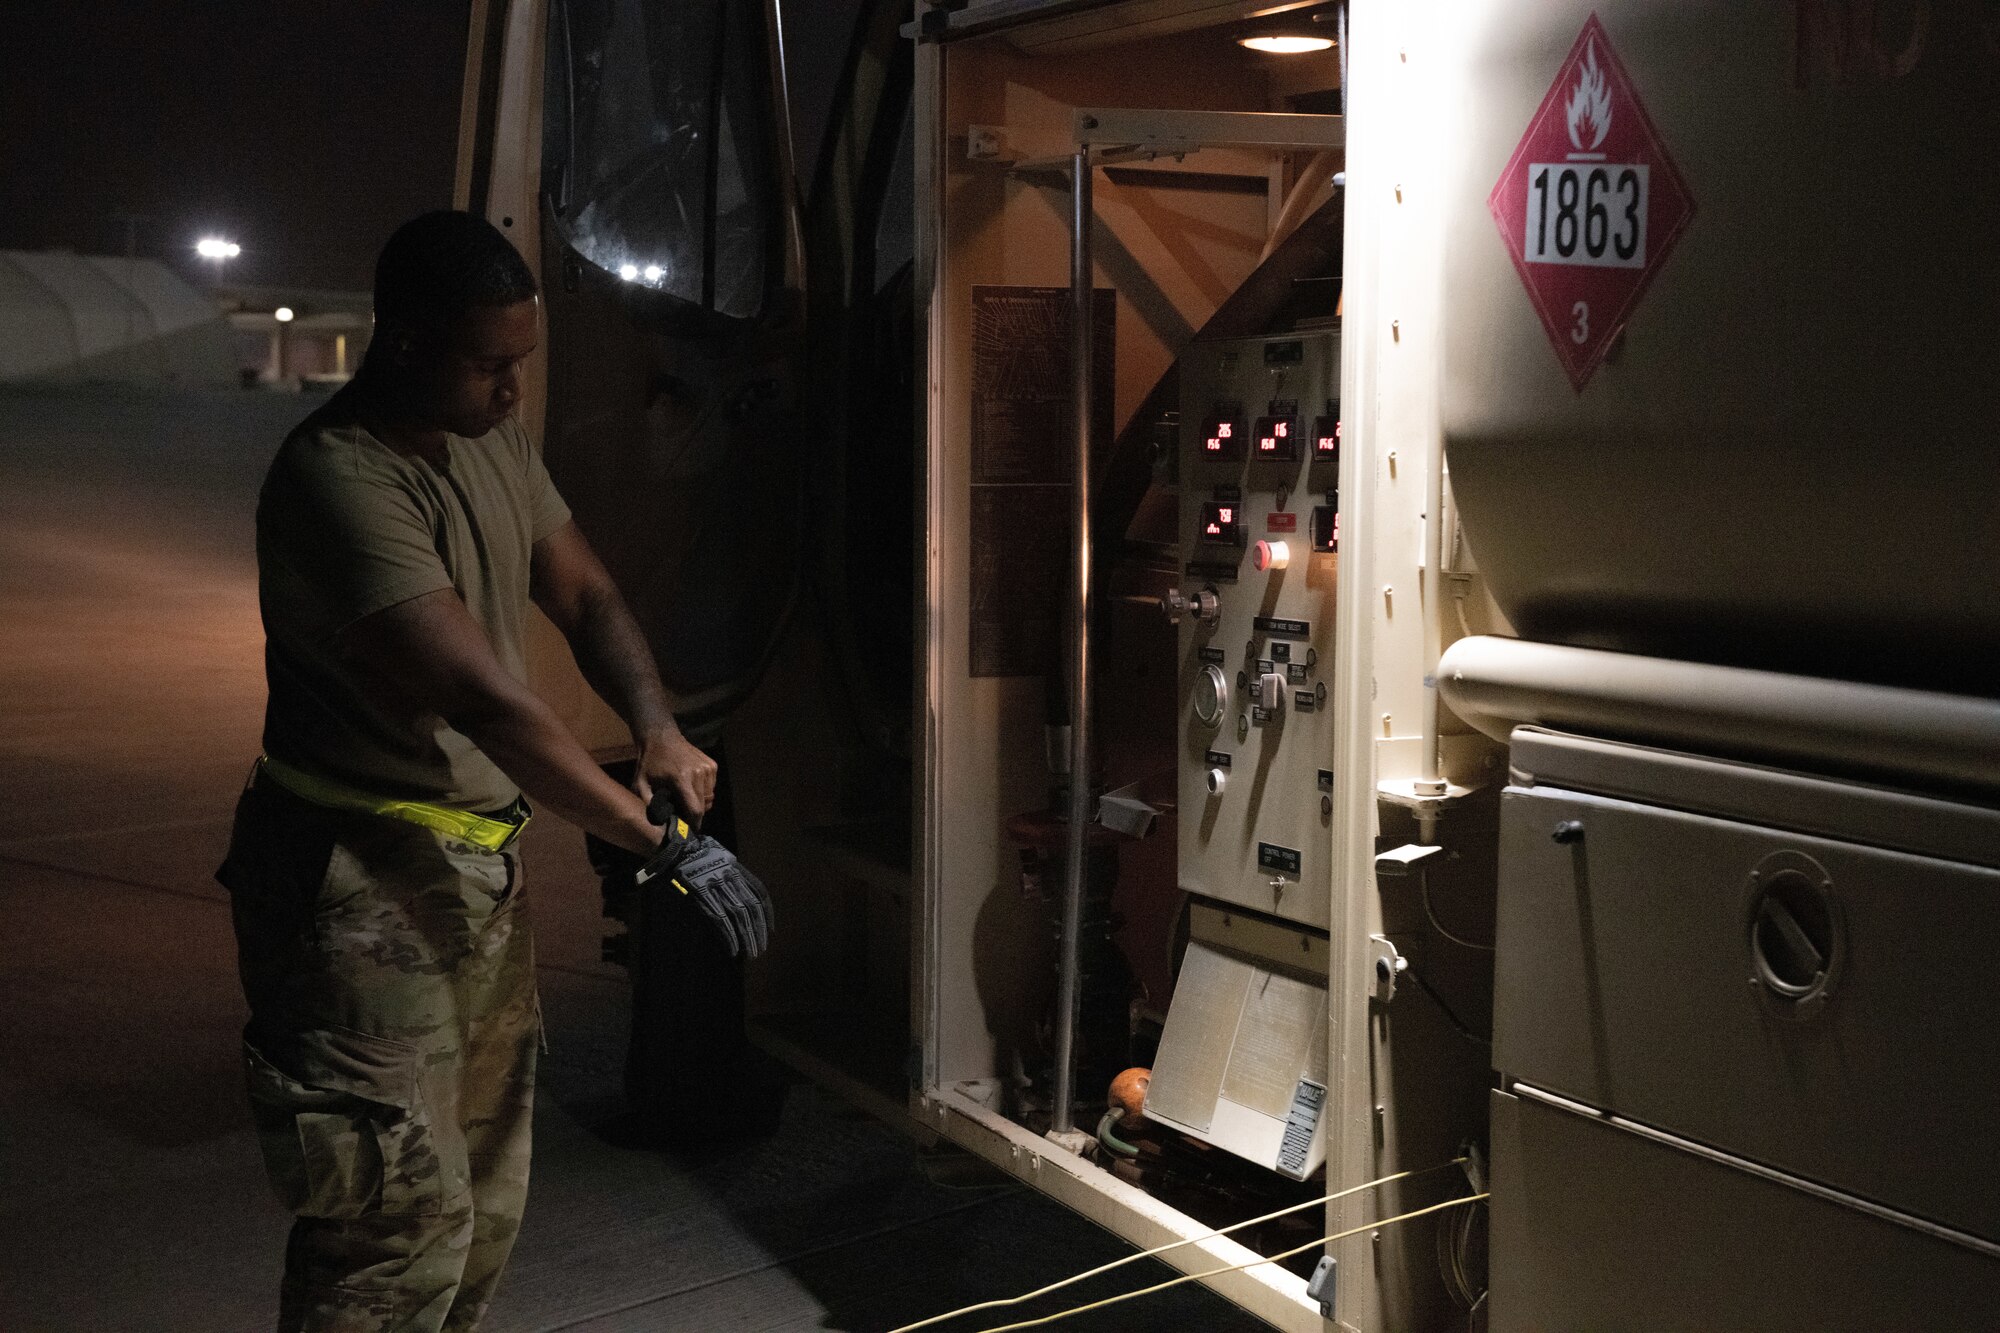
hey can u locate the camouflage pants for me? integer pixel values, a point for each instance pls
(390, 1057)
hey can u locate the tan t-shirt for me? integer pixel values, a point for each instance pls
(347, 527)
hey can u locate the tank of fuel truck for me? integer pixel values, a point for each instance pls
(1786, 458)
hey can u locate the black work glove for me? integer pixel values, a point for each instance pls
(734, 900)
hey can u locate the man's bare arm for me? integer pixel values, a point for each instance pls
(573, 588)
(432, 653)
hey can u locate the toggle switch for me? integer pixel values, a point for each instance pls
(1270, 691)
(1270, 555)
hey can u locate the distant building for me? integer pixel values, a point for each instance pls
(319, 344)
(74, 318)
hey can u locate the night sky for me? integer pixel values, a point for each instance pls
(304, 131)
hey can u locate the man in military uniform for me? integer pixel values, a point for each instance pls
(375, 883)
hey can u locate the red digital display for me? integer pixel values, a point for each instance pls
(1222, 434)
(1277, 439)
(1326, 437)
(1326, 528)
(1221, 523)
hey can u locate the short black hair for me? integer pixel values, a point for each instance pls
(441, 266)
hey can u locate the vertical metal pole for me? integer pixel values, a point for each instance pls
(1430, 785)
(1082, 214)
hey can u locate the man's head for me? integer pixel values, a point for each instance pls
(456, 314)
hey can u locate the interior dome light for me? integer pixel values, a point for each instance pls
(1286, 45)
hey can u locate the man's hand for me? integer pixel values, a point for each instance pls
(735, 901)
(669, 762)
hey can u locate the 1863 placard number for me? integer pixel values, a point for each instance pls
(1588, 213)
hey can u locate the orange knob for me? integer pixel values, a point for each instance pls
(1128, 1096)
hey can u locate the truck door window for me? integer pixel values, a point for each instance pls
(657, 145)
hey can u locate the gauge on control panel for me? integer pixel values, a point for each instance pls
(1277, 439)
(1326, 438)
(1222, 523)
(1222, 432)
(1326, 528)
(1211, 695)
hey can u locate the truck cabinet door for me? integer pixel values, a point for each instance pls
(640, 152)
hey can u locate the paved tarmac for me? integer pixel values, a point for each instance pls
(130, 699)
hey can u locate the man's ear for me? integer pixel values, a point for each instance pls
(399, 341)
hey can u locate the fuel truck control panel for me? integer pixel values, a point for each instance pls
(1259, 531)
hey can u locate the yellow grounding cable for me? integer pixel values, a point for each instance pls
(1233, 1268)
(1175, 1245)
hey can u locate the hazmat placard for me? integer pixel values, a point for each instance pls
(1590, 204)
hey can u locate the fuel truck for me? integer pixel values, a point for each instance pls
(1358, 634)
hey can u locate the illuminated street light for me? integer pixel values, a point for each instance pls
(283, 314)
(217, 251)
(629, 272)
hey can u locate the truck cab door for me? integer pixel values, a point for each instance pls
(639, 153)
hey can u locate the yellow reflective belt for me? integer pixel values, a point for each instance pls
(490, 834)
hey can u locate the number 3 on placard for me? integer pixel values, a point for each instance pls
(1580, 334)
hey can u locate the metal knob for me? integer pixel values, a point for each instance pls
(1218, 778)
(1389, 967)
(1270, 691)
(1204, 605)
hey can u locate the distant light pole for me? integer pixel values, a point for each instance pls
(284, 315)
(132, 223)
